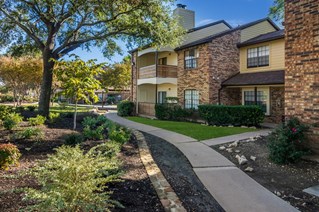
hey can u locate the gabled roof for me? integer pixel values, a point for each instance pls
(190, 31)
(256, 78)
(264, 38)
(210, 38)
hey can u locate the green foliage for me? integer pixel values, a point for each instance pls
(119, 134)
(277, 11)
(5, 111)
(6, 98)
(12, 120)
(31, 108)
(9, 155)
(53, 117)
(94, 134)
(172, 112)
(125, 108)
(231, 115)
(110, 100)
(73, 139)
(31, 132)
(90, 122)
(285, 142)
(72, 180)
(19, 109)
(39, 120)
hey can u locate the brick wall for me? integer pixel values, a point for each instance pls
(212, 69)
(277, 104)
(302, 61)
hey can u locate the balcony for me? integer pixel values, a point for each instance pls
(163, 71)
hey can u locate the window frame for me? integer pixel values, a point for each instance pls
(192, 61)
(160, 97)
(263, 89)
(192, 99)
(258, 52)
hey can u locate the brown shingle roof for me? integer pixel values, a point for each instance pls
(257, 78)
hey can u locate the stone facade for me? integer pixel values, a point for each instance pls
(277, 105)
(302, 63)
(212, 69)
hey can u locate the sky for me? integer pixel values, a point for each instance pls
(235, 12)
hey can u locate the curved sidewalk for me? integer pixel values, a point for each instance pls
(234, 190)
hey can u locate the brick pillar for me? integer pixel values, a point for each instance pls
(302, 63)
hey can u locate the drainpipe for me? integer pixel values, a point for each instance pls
(156, 74)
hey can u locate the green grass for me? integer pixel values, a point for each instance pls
(80, 109)
(194, 130)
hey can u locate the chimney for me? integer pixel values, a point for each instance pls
(186, 17)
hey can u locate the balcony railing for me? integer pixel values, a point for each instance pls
(163, 71)
(145, 108)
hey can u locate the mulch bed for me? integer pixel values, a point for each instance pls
(288, 180)
(180, 175)
(135, 191)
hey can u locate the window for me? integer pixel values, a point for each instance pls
(262, 96)
(161, 97)
(191, 59)
(191, 99)
(257, 57)
(162, 61)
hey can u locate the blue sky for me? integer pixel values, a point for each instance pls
(235, 12)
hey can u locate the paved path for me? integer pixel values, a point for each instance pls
(234, 190)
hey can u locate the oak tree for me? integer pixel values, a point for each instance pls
(57, 27)
(277, 11)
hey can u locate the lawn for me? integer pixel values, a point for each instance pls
(66, 109)
(197, 131)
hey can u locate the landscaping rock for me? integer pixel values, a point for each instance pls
(253, 158)
(243, 126)
(237, 151)
(241, 159)
(277, 193)
(235, 144)
(222, 148)
(249, 169)
(230, 150)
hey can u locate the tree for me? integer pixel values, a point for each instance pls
(277, 11)
(21, 75)
(79, 80)
(117, 76)
(20, 50)
(58, 27)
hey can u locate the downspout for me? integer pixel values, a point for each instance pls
(156, 74)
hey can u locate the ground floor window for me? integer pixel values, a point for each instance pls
(259, 96)
(191, 99)
(161, 97)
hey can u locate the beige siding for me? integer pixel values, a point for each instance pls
(203, 33)
(255, 30)
(169, 88)
(171, 57)
(276, 56)
(146, 93)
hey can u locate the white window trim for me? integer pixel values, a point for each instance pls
(258, 89)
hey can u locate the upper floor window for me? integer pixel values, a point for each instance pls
(257, 57)
(191, 59)
(162, 61)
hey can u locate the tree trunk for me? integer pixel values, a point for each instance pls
(75, 113)
(45, 94)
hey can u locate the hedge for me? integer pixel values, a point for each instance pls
(231, 115)
(172, 112)
(125, 108)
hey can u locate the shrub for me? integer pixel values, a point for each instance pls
(74, 181)
(53, 117)
(73, 139)
(5, 111)
(93, 134)
(231, 115)
(19, 109)
(125, 108)
(119, 134)
(31, 108)
(172, 112)
(12, 121)
(90, 122)
(30, 132)
(39, 120)
(285, 142)
(6, 98)
(9, 155)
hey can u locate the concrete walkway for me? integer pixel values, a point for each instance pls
(234, 190)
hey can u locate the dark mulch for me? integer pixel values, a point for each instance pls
(136, 192)
(179, 173)
(289, 180)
